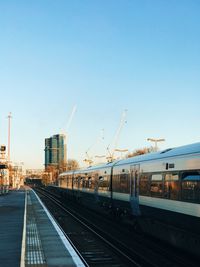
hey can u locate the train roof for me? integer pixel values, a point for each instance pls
(102, 166)
(91, 168)
(170, 152)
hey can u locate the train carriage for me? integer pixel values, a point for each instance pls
(160, 190)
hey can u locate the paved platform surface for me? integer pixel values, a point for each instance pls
(11, 228)
(29, 236)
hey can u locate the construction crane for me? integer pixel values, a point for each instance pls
(71, 117)
(88, 157)
(116, 137)
(66, 128)
(67, 125)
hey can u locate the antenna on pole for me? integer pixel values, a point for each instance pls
(9, 127)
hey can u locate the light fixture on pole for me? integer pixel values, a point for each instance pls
(156, 142)
(121, 151)
(9, 119)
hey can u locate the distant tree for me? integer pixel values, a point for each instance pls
(72, 164)
(62, 167)
(140, 151)
(53, 172)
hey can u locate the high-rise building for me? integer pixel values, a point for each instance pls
(55, 151)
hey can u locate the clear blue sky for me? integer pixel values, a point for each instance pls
(104, 56)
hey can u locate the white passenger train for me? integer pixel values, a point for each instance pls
(161, 191)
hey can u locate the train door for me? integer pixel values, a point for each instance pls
(134, 189)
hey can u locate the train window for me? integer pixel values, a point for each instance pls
(191, 186)
(171, 186)
(156, 185)
(144, 184)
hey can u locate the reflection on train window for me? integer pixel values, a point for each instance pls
(101, 178)
(121, 182)
(191, 186)
(91, 182)
(81, 181)
(191, 176)
(171, 186)
(116, 183)
(171, 177)
(103, 183)
(124, 183)
(63, 182)
(144, 184)
(87, 182)
(156, 177)
(75, 182)
(156, 185)
(69, 181)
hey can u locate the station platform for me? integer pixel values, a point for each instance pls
(29, 236)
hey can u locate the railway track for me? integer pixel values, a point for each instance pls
(104, 243)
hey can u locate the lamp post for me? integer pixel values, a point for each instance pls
(9, 124)
(121, 151)
(88, 161)
(156, 142)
